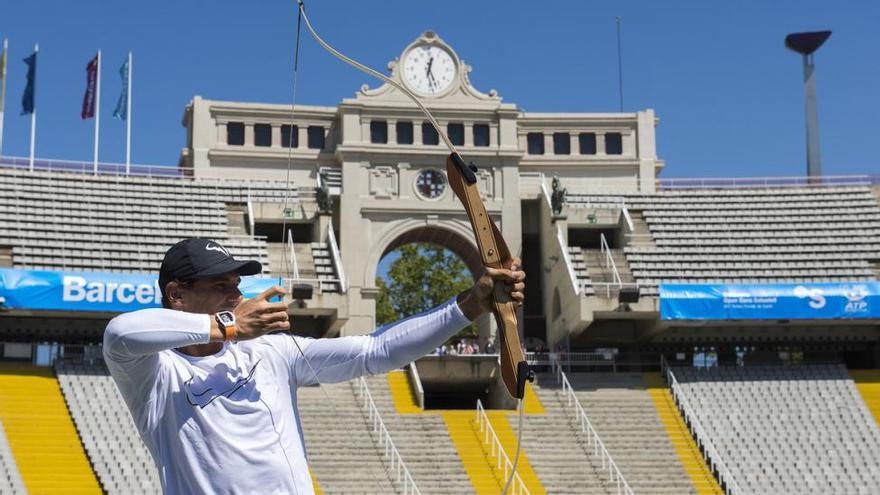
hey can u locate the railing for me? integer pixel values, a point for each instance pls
(417, 384)
(323, 285)
(545, 192)
(553, 359)
(716, 465)
(754, 182)
(609, 260)
(569, 265)
(497, 451)
(390, 451)
(627, 217)
(614, 475)
(337, 259)
(576, 200)
(250, 212)
(294, 266)
(104, 168)
(611, 288)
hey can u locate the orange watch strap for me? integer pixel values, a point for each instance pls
(231, 333)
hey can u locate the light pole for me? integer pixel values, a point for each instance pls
(806, 44)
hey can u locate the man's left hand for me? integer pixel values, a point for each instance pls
(510, 286)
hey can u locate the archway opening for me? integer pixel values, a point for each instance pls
(421, 269)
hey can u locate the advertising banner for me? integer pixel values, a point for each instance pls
(807, 301)
(93, 291)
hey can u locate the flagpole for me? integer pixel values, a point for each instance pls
(3, 91)
(34, 114)
(97, 111)
(128, 121)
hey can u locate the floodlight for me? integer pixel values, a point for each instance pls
(806, 43)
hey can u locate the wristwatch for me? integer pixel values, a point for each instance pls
(226, 321)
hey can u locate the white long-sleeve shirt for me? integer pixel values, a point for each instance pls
(228, 423)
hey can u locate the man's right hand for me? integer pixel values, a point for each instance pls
(258, 316)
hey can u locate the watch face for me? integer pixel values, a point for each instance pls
(428, 69)
(226, 318)
(431, 183)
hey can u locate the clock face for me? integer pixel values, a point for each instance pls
(429, 70)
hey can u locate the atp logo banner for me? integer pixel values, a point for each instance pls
(822, 301)
(93, 291)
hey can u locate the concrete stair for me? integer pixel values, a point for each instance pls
(624, 415)
(279, 258)
(342, 453)
(558, 451)
(236, 215)
(642, 233)
(688, 453)
(423, 442)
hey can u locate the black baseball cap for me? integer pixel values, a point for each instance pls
(196, 258)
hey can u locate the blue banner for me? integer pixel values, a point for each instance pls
(823, 301)
(93, 291)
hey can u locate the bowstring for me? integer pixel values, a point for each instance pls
(378, 75)
(287, 194)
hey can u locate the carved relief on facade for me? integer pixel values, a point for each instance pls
(486, 183)
(383, 182)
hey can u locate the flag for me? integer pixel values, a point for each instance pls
(121, 111)
(27, 99)
(2, 79)
(88, 107)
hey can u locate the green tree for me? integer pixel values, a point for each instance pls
(384, 310)
(423, 276)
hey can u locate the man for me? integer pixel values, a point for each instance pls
(213, 391)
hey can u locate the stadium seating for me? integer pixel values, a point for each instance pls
(797, 429)
(41, 434)
(118, 455)
(10, 478)
(785, 235)
(55, 220)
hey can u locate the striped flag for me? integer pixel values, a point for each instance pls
(3, 77)
(27, 99)
(88, 106)
(121, 111)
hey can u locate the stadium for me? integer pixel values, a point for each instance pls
(707, 336)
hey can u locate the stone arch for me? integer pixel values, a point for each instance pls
(452, 235)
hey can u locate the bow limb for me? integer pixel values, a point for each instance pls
(493, 253)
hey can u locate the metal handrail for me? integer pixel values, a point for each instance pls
(294, 266)
(320, 282)
(104, 168)
(627, 217)
(609, 261)
(569, 265)
(753, 182)
(497, 451)
(337, 258)
(416, 382)
(710, 453)
(545, 192)
(385, 442)
(614, 474)
(250, 210)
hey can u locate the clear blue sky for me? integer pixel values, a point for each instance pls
(728, 94)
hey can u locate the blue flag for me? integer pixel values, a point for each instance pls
(27, 99)
(121, 111)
